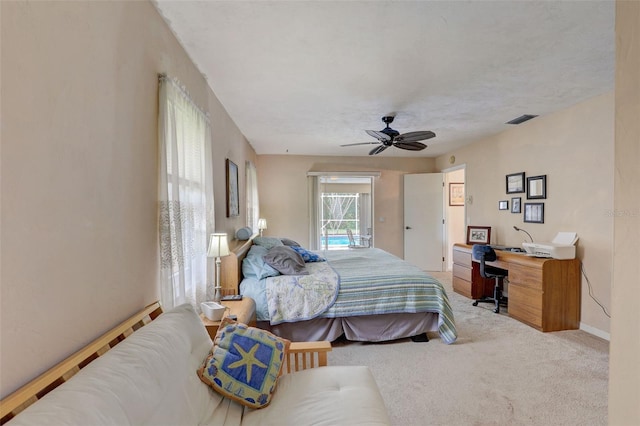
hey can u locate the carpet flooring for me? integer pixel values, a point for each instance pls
(499, 372)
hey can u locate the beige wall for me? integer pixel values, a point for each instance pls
(624, 373)
(79, 172)
(284, 196)
(574, 148)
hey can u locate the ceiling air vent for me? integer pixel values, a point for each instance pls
(521, 119)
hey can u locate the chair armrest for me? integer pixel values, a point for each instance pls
(303, 355)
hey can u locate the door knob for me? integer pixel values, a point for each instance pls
(407, 227)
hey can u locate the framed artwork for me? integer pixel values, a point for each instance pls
(456, 194)
(534, 212)
(515, 183)
(537, 187)
(478, 234)
(503, 205)
(233, 204)
(515, 205)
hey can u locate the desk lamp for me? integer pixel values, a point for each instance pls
(520, 229)
(218, 247)
(262, 225)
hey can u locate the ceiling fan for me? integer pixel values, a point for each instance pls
(389, 137)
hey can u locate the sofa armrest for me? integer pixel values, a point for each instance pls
(303, 355)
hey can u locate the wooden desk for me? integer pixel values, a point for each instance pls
(543, 293)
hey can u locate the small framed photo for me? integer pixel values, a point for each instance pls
(478, 234)
(534, 212)
(456, 194)
(515, 183)
(537, 187)
(515, 205)
(503, 205)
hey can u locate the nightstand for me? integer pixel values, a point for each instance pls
(244, 309)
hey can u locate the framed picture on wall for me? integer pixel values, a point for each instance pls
(233, 196)
(503, 205)
(478, 234)
(456, 194)
(515, 205)
(515, 183)
(537, 187)
(534, 212)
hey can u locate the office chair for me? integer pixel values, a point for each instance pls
(484, 253)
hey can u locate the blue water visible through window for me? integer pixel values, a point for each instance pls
(337, 241)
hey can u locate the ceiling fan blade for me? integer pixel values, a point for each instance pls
(361, 143)
(415, 136)
(411, 146)
(378, 150)
(382, 137)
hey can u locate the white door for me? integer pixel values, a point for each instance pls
(424, 234)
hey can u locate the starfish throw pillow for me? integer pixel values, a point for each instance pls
(244, 363)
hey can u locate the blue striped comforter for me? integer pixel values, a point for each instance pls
(373, 281)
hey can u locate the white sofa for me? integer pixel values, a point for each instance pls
(150, 379)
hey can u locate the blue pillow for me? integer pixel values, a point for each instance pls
(253, 265)
(308, 256)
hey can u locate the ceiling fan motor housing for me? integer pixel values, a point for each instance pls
(388, 130)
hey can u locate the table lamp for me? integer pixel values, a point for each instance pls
(262, 225)
(218, 247)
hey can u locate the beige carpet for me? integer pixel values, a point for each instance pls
(499, 372)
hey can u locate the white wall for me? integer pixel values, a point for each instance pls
(79, 172)
(574, 148)
(624, 373)
(284, 197)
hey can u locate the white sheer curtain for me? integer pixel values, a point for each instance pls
(253, 205)
(185, 195)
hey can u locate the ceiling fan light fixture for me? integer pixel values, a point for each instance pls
(521, 119)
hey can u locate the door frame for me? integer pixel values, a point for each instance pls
(448, 249)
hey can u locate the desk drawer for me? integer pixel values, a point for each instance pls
(525, 304)
(462, 287)
(461, 258)
(462, 272)
(529, 277)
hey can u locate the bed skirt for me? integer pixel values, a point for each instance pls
(365, 328)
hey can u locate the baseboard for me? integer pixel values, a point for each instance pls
(595, 331)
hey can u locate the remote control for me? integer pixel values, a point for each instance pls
(232, 297)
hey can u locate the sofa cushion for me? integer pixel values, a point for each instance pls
(244, 364)
(334, 395)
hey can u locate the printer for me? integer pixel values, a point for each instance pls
(562, 247)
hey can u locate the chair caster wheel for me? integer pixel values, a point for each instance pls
(475, 303)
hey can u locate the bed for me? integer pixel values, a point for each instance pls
(379, 297)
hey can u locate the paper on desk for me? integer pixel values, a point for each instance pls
(565, 238)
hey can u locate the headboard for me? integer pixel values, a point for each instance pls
(231, 266)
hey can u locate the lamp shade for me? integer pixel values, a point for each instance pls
(218, 245)
(262, 223)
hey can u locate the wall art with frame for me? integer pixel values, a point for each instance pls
(534, 212)
(516, 205)
(478, 235)
(456, 194)
(503, 205)
(233, 196)
(515, 183)
(537, 187)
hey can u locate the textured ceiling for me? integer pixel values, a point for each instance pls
(304, 77)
